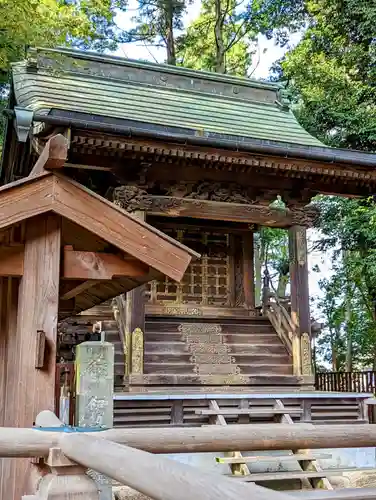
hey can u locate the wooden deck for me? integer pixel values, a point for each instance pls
(193, 409)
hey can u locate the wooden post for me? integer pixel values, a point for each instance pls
(135, 321)
(30, 385)
(248, 270)
(300, 312)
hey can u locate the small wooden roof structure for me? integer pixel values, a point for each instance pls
(105, 250)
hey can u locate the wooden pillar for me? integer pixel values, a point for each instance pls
(31, 389)
(135, 321)
(248, 270)
(300, 311)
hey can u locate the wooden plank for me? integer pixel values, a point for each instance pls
(11, 261)
(281, 476)
(27, 198)
(255, 412)
(53, 156)
(32, 390)
(99, 266)
(272, 458)
(170, 206)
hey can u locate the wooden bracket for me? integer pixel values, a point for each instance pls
(54, 154)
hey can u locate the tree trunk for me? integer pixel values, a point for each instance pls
(220, 66)
(348, 315)
(283, 280)
(170, 39)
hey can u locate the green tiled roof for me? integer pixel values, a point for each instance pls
(155, 94)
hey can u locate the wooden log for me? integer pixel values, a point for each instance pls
(157, 477)
(30, 442)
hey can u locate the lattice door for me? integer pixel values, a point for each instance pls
(207, 281)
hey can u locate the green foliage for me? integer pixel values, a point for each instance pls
(224, 37)
(333, 72)
(196, 49)
(156, 23)
(51, 23)
(348, 230)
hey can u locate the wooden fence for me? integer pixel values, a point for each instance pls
(346, 381)
(127, 457)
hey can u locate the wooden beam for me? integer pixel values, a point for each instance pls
(53, 156)
(229, 212)
(99, 266)
(12, 261)
(33, 389)
(69, 292)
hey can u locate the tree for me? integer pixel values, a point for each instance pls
(156, 24)
(197, 48)
(348, 229)
(332, 71)
(52, 23)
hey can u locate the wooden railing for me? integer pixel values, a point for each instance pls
(282, 322)
(346, 381)
(124, 455)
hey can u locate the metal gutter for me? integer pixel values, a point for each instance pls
(210, 140)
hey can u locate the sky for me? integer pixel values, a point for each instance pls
(269, 54)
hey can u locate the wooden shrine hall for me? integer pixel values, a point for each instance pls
(190, 160)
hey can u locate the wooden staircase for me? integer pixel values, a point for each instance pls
(185, 352)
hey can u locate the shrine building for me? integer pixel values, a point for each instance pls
(201, 157)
